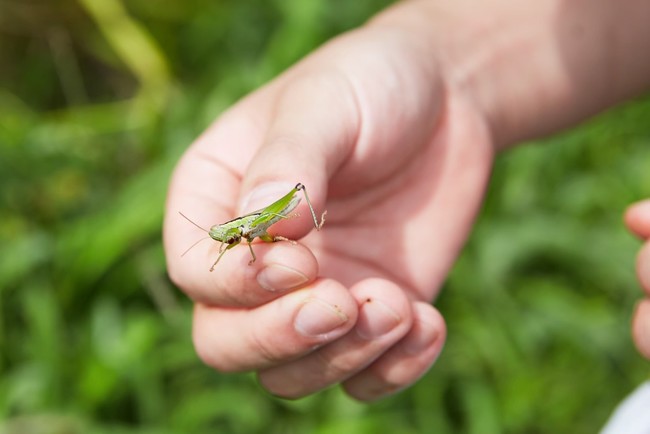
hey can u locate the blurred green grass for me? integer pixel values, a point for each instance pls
(98, 98)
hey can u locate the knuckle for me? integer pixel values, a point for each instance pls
(281, 386)
(207, 354)
(268, 351)
(210, 354)
(336, 366)
(374, 388)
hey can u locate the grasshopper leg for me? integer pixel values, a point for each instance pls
(266, 238)
(222, 252)
(272, 239)
(317, 225)
(250, 247)
(281, 238)
(322, 221)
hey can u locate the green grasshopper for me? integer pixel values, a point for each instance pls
(255, 224)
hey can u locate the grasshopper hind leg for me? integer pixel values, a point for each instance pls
(268, 239)
(272, 239)
(281, 238)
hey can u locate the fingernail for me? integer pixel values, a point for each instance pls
(317, 317)
(264, 195)
(416, 343)
(278, 278)
(376, 319)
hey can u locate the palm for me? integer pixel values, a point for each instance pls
(408, 227)
(399, 206)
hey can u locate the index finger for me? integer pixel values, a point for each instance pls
(205, 187)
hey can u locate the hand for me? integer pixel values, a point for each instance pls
(637, 218)
(397, 157)
(392, 129)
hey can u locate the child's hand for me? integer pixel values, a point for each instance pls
(400, 162)
(637, 218)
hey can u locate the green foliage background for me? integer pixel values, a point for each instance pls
(98, 98)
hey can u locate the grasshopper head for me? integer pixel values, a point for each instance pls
(226, 234)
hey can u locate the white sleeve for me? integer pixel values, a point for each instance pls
(632, 416)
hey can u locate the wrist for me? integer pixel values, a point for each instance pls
(531, 69)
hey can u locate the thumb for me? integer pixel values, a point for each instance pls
(310, 134)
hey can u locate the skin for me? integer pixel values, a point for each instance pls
(637, 219)
(393, 128)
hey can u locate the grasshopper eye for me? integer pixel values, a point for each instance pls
(235, 238)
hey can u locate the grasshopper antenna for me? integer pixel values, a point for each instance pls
(192, 246)
(188, 219)
(197, 242)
